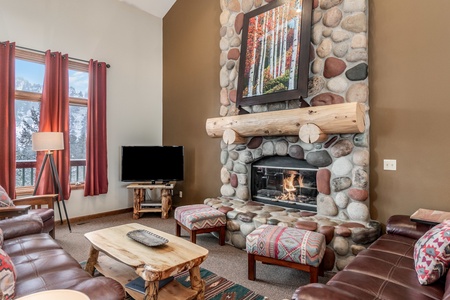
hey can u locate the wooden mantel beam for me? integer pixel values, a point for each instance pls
(331, 119)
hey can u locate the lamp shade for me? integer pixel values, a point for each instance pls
(43, 141)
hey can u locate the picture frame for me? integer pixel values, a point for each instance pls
(268, 72)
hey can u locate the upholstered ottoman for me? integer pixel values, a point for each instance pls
(285, 246)
(200, 218)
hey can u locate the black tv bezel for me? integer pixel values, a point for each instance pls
(150, 180)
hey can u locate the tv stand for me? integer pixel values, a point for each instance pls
(140, 206)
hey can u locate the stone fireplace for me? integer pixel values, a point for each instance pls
(338, 76)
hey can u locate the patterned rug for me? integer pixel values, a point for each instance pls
(216, 287)
(219, 288)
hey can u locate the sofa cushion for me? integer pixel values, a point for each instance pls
(199, 216)
(5, 201)
(7, 276)
(288, 244)
(432, 253)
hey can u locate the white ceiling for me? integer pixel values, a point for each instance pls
(158, 8)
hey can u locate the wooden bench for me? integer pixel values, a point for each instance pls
(200, 218)
(285, 246)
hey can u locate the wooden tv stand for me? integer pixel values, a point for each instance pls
(140, 206)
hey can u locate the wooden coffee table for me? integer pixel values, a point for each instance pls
(126, 257)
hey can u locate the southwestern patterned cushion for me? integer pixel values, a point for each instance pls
(432, 253)
(286, 243)
(7, 276)
(199, 216)
(4, 198)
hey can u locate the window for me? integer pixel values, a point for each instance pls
(30, 69)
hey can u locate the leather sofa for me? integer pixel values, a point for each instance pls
(41, 264)
(385, 270)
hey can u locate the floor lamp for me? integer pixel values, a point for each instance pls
(48, 142)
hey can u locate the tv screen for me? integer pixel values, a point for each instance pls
(152, 163)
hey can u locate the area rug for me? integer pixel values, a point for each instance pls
(216, 287)
(219, 288)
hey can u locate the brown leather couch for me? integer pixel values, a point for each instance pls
(385, 270)
(41, 264)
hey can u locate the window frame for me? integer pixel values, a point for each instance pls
(35, 97)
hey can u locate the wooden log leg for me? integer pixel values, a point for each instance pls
(314, 275)
(166, 201)
(197, 283)
(177, 229)
(251, 267)
(92, 261)
(151, 290)
(138, 197)
(222, 234)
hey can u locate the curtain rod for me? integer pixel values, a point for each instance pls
(43, 52)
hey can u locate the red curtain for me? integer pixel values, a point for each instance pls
(96, 181)
(7, 118)
(54, 117)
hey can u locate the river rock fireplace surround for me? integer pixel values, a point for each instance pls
(337, 148)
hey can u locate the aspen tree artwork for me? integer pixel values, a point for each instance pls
(275, 52)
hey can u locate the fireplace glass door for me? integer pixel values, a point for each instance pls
(284, 181)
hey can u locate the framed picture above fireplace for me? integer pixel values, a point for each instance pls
(274, 59)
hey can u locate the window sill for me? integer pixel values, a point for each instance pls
(28, 190)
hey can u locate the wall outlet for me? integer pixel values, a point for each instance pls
(180, 194)
(390, 164)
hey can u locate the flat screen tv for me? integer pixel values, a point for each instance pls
(152, 164)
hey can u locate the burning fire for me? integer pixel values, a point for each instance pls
(289, 190)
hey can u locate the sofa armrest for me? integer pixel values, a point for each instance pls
(37, 201)
(319, 291)
(20, 226)
(402, 225)
(99, 288)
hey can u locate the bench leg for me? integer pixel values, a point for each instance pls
(222, 233)
(177, 229)
(314, 275)
(193, 235)
(251, 267)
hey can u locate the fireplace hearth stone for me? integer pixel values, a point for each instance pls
(344, 239)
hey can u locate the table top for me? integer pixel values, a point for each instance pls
(151, 263)
(430, 216)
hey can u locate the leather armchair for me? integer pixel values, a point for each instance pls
(41, 205)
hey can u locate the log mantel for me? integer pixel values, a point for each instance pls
(330, 119)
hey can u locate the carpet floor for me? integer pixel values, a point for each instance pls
(273, 282)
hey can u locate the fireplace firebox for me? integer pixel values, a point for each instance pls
(284, 181)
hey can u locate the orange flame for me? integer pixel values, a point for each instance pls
(289, 188)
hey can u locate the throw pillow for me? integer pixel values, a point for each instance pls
(4, 198)
(432, 253)
(7, 276)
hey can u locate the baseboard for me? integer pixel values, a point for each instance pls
(95, 216)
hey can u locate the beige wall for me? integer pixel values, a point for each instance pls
(121, 35)
(410, 108)
(409, 101)
(191, 93)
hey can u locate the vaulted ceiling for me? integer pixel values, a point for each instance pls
(158, 8)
